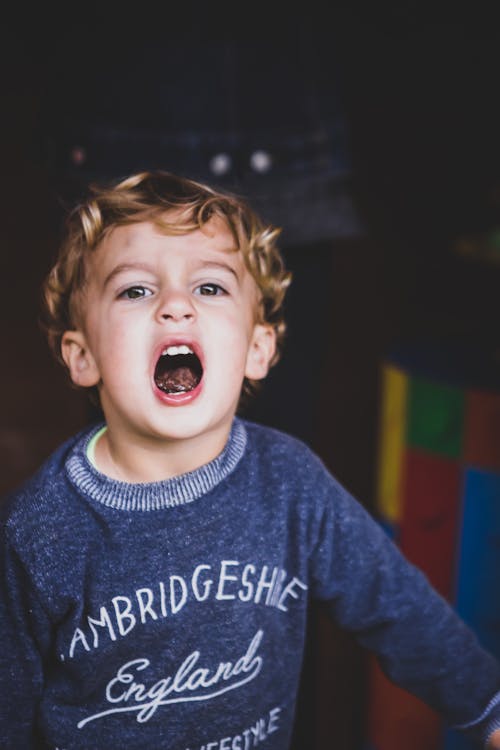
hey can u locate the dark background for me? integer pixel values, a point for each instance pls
(414, 90)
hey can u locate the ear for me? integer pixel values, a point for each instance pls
(260, 352)
(79, 360)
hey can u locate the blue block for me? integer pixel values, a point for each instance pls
(391, 529)
(478, 579)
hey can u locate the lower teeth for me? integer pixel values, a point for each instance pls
(178, 389)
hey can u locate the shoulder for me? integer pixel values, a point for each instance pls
(294, 471)
(270, 439)
(294, 483)
(38, 500)
(287, 456)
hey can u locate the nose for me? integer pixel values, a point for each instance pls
(176, 305)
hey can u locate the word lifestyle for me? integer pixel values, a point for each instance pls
(228, 581)
(189, 683)
(247, 738)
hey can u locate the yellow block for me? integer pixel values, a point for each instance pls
(391, 443)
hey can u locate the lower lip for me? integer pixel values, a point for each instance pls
(178, 399)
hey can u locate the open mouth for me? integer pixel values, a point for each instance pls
(178, 370)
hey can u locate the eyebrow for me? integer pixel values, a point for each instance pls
(221, 266)
(139, 266)
(124, 267)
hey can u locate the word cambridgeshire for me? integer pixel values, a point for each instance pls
(226, 582)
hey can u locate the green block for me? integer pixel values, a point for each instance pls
(435, 417)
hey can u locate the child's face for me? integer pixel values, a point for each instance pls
(168, 332)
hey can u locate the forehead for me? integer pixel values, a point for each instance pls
(147, 239)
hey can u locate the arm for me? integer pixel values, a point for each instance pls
(420, 642)
(24, 635)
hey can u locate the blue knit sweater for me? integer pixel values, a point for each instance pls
(172, 614)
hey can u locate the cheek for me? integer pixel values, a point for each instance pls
(229, 344)
(232, 338)
(119, 351)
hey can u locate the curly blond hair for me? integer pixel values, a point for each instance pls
(176, 205)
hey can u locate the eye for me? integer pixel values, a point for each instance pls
(210, 290)
(135, 292)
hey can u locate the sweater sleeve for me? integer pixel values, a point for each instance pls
(420, 642)
(24, 635)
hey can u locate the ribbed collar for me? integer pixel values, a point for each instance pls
(153, 495)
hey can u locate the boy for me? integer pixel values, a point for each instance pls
(157, 568)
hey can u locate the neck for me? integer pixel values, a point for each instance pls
(144, 459)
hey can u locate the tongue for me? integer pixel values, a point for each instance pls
(178, 380)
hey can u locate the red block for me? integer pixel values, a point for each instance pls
(398, 720)
(430, 518)
(482, 430)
